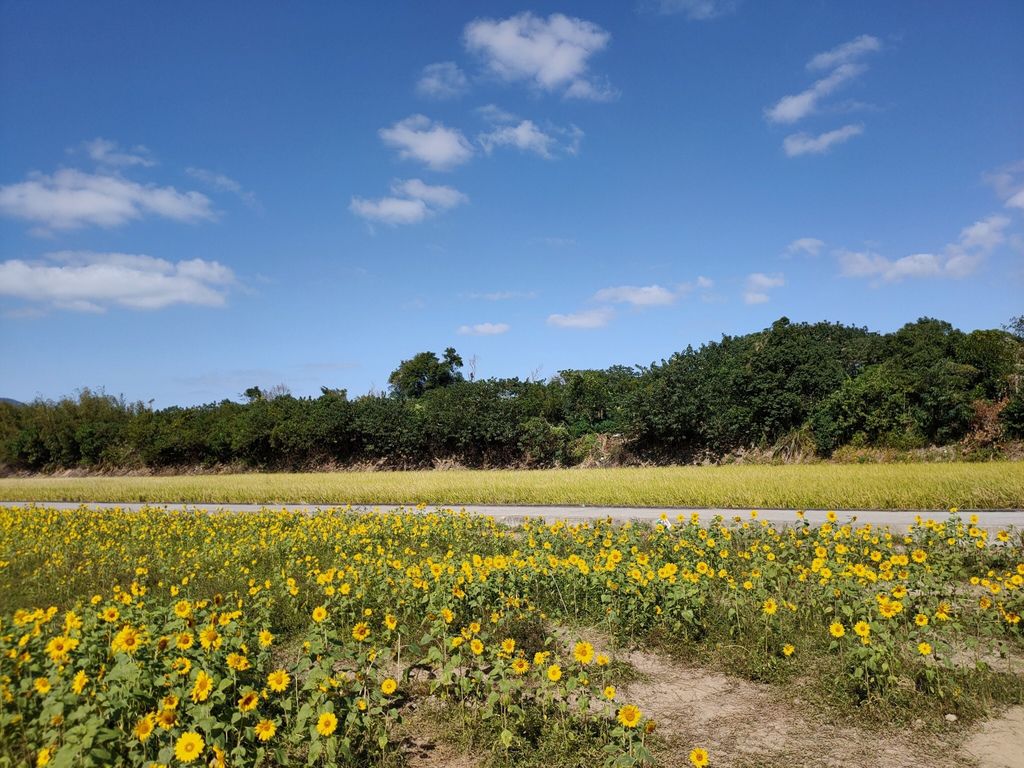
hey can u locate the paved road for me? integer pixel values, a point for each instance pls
(988, 519)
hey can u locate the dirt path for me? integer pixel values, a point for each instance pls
(744, 724)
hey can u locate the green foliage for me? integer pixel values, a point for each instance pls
(791, 384)
(424, 372)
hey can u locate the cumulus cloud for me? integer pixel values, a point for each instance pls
(84, 281)
(807, 246)
(1008, 183)
(223, 183)
(758, 284)
(503, 295)
(590, 318)
(697, 10)
(108, 153)
(411, 201)
(957, 260)
(843, 61)
(845, 53)
(418, 137)
(525, 136)
(638, 296)
(69, 199)
(797, 144)
(790, 109)
(551, 54)
(484, 329)
(443, 80)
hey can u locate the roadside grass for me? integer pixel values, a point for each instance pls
(994, 485)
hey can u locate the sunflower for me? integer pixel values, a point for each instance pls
(361, 631)
(508, 645)
(699, 757)
(265, 730)
(554, 673)
(609, 692)
(319, 614)
(583, 652)
(167, 719)
(921, 620)
(326, 723)
(788, 649)
(520, 666)
(390, 621)
(925, 649)
(183, 609)
(476, 646)
(769, 607)
(144, 727)
(248, 701)
(42, 685)
(189, 746)
(265, 640)
(862, 628)
(629, 716)
(389, 686)
(836, 629)
(79, 682)
(201, 687)
(278, 680)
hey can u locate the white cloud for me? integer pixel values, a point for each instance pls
(705, 283)
(844, 66)
(432, 143)
(797, 144)
(390, 210)
(757, 287)
(845, 53)
(443, 80)
(84, 281)
(1008, 183)
(69, 199)
(790, 109)
(503, 295)
(223, 183)
(810, 246)
(957, 260)
(411, 201)
(697, 10)
(592, 90)
(590, 318)
(638, 296)
(525, 136)
(109, 153)
(551, 54)
(484, 329)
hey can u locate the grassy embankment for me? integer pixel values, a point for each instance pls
(996, 485)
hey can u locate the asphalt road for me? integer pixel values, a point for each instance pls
(987, 519)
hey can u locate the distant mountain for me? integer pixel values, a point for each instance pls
(10, 401)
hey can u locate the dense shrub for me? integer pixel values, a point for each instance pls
(783, 389)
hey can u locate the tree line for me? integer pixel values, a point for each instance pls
(807, 387)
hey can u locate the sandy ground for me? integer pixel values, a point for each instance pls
(744, 724)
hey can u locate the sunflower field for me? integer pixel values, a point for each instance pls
(159, 638)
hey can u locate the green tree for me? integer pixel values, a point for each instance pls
(424, 372)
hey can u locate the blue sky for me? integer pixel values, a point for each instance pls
(196, 198)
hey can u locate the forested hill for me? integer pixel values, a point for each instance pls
(791, 387)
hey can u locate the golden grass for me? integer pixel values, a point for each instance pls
(995, 485)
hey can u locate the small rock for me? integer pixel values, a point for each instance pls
(950, 718)
(918, 723)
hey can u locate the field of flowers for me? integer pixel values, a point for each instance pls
(160, 638)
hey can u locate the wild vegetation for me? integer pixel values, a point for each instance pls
(277, 638)
(977, 485)
(791, 390)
